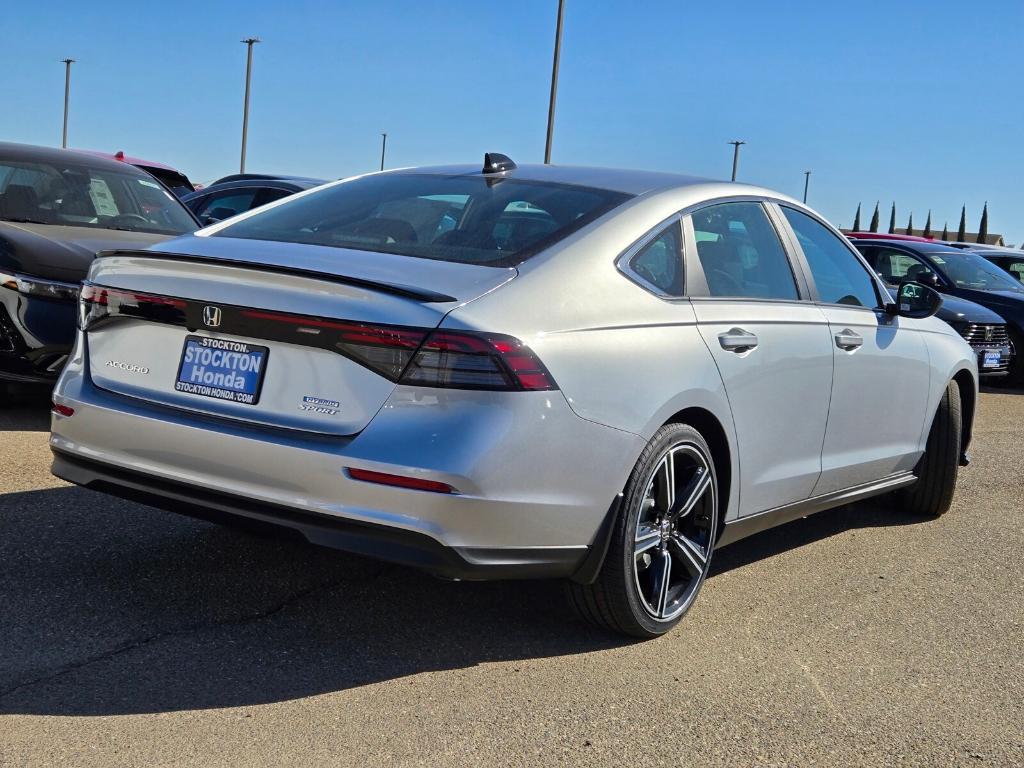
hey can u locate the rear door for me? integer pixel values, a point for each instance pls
(881, 382)
(771, 344)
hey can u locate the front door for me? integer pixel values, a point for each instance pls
(881, 382)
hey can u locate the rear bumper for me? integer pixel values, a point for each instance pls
(376, 541)
(533, 480)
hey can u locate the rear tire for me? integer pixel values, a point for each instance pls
(936, 471)
(661, 545)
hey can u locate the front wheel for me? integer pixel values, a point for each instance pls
(661, 546)
(936, 471)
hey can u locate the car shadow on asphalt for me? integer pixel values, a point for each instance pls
(24, 408)
(111, 608)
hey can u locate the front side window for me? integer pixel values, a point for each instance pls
(76, 194)
(741, 253)
(838, 273)
(660, 262)
(470, 219)
(896, 267)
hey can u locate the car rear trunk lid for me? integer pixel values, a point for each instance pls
(293, 337)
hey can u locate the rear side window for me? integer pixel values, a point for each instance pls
(741, 253)
(470, 219)
(660, 262)
(838, 274)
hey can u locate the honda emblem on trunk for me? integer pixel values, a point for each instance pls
(211, 316)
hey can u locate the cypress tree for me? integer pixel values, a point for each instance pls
(945, 230)
(874, 219)
(856, 220)
(910, 224)
(928, 225)
(961, 234)
(983, 227)
(892, 220)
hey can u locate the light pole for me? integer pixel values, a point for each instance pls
(807, 181)
(736, 156)
(554, 82)
(383, 148)
(249, 41)
(67, 98)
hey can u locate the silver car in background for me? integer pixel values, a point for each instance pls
(507, 372)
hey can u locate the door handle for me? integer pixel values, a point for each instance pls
(737, 340)
(848, 340)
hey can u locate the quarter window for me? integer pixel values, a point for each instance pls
(660, 262)
(838, 274)
(741, 253)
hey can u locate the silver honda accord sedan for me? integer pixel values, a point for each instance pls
(500, 372)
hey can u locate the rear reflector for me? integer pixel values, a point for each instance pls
(62, 410)
(399, 481)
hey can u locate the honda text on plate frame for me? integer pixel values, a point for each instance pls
(510, 372)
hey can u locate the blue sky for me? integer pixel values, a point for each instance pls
(921, 103)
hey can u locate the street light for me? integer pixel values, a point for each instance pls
(67, 98)
(736, 156)
(554, 82)
(383, 148)
(807, 181)
(249, 41)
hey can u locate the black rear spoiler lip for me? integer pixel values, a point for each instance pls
(398, 289)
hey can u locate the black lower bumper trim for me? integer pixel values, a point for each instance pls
(377, 541)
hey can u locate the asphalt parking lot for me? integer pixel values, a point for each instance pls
(861, 636)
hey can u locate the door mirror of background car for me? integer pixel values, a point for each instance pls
(915, 300)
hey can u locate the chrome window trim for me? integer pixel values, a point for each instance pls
(623, 259)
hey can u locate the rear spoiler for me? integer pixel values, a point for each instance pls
(397, 289)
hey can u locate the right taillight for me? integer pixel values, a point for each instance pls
(461, 360)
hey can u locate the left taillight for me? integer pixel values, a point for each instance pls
(98, 303)
(463, 360)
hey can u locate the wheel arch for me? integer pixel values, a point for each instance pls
(968, 387)
(705, 422)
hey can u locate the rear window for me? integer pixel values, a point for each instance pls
(467, 219)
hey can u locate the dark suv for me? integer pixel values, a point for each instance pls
(961, 274)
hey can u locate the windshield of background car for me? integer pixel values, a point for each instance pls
(466, 219)
(968, 270)
(77, 195)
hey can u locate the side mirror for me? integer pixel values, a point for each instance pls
(206, 219)
(916, 301)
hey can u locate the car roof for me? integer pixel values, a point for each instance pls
(298, 180)
(39, 154)
(121, 157)
(612, 179)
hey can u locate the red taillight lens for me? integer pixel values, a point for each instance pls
(382, 348)
(461, 360)
(62, 410)
(399, 481)
(99, 302)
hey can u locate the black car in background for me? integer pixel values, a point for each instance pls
(242, 192)
(961, 274)
(58, 209)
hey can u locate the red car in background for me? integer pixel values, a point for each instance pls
(173, 179)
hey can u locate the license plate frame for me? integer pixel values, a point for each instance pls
(991, 358)
(248, 394)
